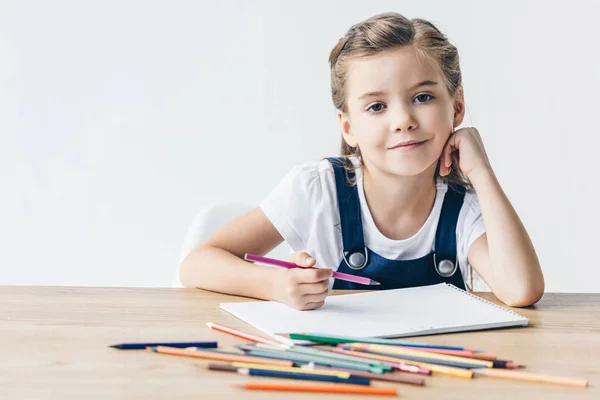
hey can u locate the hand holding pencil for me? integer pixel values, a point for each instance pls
(303, 288)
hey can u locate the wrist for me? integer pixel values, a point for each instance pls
(271, 283)
(481, 177)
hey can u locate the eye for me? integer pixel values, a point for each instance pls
(377, 107)
(423, 98)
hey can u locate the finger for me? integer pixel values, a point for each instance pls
(314, 288)
(451, 146)
(313, 275)
(314, 298)
(444, 161)
(302, 259)
(313, 306)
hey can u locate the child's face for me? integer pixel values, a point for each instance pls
(400, 126)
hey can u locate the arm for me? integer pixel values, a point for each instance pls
(504, 257)
(217, 264)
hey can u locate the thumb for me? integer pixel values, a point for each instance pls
(302, 259)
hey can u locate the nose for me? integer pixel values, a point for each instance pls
(403, 120)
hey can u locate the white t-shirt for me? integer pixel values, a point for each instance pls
(304, 209)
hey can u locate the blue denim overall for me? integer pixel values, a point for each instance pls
(439, 266)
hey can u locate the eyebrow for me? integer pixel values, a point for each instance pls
(376, 94)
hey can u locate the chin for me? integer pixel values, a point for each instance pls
(410, 168)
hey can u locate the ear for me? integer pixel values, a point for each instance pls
(459, 107)
(346, 129)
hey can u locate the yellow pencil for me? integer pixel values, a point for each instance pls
(440, 369)
(421, 354)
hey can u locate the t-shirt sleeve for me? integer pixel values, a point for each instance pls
(292, 203)
(469, 228)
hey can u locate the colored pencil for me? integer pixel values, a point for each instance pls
(240, 334)
(319, 371)
(334, 339)
(213, 355)
(322, 353)
(391, 350)
(459, 353)
(454, 364)
(348, 389)
(337, 275)
(300, 358)
(142, 346)
(531, 377)
(339, 356)
(440, 369)
(402, 367)
(384, 365)
(398, 378)
(288, 375)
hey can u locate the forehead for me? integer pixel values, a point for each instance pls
(395, 69)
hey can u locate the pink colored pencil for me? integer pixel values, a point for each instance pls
(337, 275)
(240, 334)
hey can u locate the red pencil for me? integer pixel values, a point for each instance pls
(240, 334)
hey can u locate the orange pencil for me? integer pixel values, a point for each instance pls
(350, 389)
(213, 355)
(530, 377)
(240, 334)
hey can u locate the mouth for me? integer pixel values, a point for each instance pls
(410, 144)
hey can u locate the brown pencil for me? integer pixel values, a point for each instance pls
(213, 355)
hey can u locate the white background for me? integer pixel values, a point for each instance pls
(120, 120)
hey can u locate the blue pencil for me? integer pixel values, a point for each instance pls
(334, 339)
(142, 346)
(289, 375)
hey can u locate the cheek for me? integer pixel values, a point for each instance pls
(440, 123)
(370, 133)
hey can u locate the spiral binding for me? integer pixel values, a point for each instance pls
(486, 301)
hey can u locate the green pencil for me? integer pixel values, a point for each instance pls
(282, 355)
(331, 339)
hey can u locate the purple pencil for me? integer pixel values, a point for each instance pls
(337, 275)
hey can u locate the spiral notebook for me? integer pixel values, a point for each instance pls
(425, 310)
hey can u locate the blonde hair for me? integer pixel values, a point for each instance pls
(383, 32)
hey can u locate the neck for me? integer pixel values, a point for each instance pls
(399, 205)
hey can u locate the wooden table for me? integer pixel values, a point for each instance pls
(54, 344)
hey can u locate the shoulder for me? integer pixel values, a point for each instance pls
(307, 182)
(310, 175)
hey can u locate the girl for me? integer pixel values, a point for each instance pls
(412, 201)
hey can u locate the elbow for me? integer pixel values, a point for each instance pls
(524, 296)
(184, 275)
(186, 269)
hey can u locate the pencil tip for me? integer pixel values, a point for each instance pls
(374, 283)
(114, 346)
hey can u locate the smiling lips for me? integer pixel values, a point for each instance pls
(408, 145)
